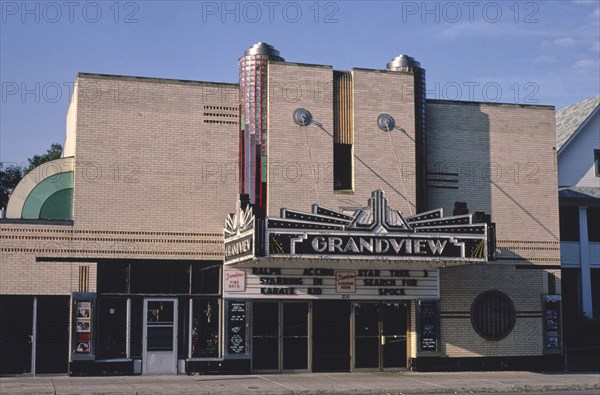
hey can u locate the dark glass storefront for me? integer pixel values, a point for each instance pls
(147, 316)
(329, 335)
(380, 336)
(280, 336)
(34, 334)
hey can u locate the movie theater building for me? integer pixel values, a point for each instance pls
(305, 219)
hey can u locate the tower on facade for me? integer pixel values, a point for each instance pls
(253, 122)
(406, 63)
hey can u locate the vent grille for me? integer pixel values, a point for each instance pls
(342, 108)
(493, 315)
(442, 180)
(221, 115)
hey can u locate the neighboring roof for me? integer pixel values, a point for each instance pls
(579, 193)
(570, 119)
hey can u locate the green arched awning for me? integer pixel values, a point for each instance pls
(51, 199)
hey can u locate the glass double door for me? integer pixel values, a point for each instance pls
(328, 336)
(280, 336)
(380, 335)
(34, 334)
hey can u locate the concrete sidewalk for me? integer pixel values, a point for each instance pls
(314, 383)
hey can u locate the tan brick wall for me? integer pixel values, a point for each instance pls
(290, 172)
(459, 286)
(376, 151)
(21, 274)
(291, 181)
(504, 161)
(147, 162)
(153, 180)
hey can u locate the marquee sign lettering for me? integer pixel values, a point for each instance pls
(239, 234)
(373, 232)
(329, 282)
(380, 232)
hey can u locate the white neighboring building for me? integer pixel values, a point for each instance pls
(578, 145)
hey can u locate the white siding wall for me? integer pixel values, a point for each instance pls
(576, 161)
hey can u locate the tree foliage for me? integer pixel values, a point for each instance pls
(53, 153)
(10, 175)
(9, 178)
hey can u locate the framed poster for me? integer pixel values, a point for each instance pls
(84, 310)
(83, 325)
(428, 326)
(551, 314)
(236, 315)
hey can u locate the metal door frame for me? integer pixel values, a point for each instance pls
(145, 333)
(380, 336)
(280, 336)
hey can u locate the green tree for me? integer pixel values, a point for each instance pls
(53, 153)
(9, 178)
(11, 175)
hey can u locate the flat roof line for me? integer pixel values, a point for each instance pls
(476, 103)
(151, 79)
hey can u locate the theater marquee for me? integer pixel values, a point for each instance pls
(327, 254)
(331, 283)
(379, 232)
(375, 232)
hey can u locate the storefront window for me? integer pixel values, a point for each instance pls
(160, 278)
(205, 280)
(593, 224)
(205, 328)
(569, 223)
(113, 277)
(112, 327)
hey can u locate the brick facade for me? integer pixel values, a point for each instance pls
(156, 174)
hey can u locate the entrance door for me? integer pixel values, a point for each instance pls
(366, 336)
(16, 335)
(52, 331)
(331, 336)
(160, 336)
(295, 336)
(380, 335)
(394, 320)
(265, 336)
(280, 336)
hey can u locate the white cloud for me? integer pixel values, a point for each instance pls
(586, 64)
(564, 41)
(470, 29)
(595, 47)
(585, 2)
(545, 59)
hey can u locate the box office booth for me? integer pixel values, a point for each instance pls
(374, 229)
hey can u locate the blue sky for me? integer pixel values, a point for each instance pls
(532, 52)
